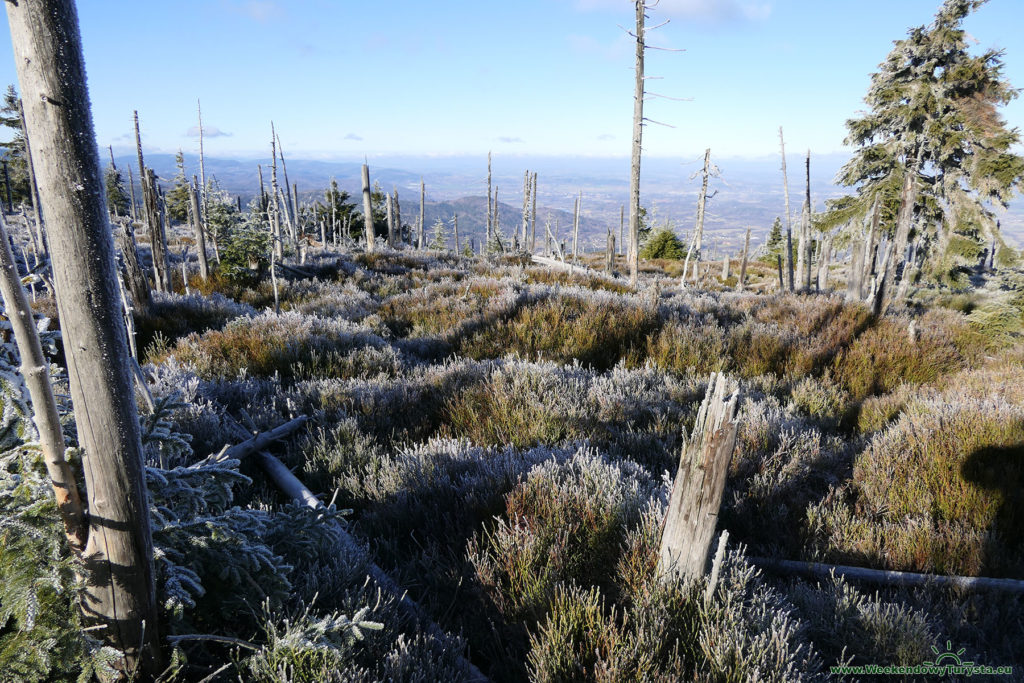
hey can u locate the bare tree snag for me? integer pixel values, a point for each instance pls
(32, 183)
(275, 190)
(391, 221)
(490, 205)
(743, 264)
(455, 225)
(725, 267)
(397, 208)
(609, 264)
(202, 168)
(698, 234)
(134, 275)
(699, 483)
(198, 228)
(855, 273)
(119, 590)
(576, 226)
(638, 131)
(789, 215)
(35, 370)
(782, 283)
(368, 211)
(533, 214)
(421, 241)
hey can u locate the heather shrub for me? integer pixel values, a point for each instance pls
(565, 522)
(821, 398)
(950, 474)
(688, 346)
(595, 330)
(883, 357)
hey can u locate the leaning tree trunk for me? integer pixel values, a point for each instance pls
(119, 588)
(699, 483)
(35, 370)
(638, 131)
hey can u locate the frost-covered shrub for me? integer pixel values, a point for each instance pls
(821, 398)
(565, 522)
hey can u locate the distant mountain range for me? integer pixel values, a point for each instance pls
(745, 193)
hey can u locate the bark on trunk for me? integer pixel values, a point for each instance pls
(743, 265)
(200, 232)
(119, 590)
(789, 215)
(638, 129)
(35, 370)
(134, 275)
(702, 202)
(368, 210)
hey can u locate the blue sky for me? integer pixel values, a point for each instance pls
(342, 79)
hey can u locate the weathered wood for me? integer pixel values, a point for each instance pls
(490, 204)
(391, 221)
(743, 264)
(421, 239)
(35, 370)
(824, 261)
(368, 211)
(699, 483)
(576, 226)
(202, 171)
(886, 577)
(37, 210)
(789, 215)
(397, 208)
(198, 228)
(638, 131)
(119, 593)
(702, 201)
(782, 283)
(133, 273)
(855, 272)
(726, 264)
(455, 225)
(275, 190)
(533, 214)
(609, 264)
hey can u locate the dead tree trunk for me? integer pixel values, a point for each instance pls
(699, 483)
(422, 227)
(32, 183)
(622, 224)
(391, 221)
(803, 269)
(490, 206)
(725, 267)
(855, 273)
(782, 283)
(151, 212)
(533, 214)
(904, 222)
(275, 219)
(824, 261)
(368, 210)
(202, 170)
(119, 590)
(131, 187)
(609, 264)
(638, 130)
(789, 216)
(197, 217)
(134, 275)
(698, 233)
(526, 209)
(397, 208)
(576, 226)
(35, 370)
(455, 225)
(743, 264)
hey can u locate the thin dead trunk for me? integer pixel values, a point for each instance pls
(634, 167)
(35, 370)
(368, 211)
(743, 265)
(202, 168)
(533, 214)
(576, 226)
(423, 215)
(698, 234)
(855, 273)
(134, 275)
(119, 590)
(455, 224)
(197, 216)
(789, 215)
(391, 221)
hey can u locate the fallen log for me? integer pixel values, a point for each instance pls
(290, 484)
(886, 577)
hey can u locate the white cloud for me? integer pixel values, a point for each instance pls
(262, 11)
(508, 140)
(208, 132)
(353, 136)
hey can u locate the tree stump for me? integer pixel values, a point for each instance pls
(700, 481)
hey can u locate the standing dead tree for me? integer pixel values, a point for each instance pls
(576, 226)
(743, 263)
(420, 243)
(119, 586)
(702, 200)
(200, 232)
(368, 210)
(700, 481)
(151, 212)
(789, 216)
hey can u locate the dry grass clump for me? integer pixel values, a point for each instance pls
(438, 309)
(595, 330)
(821, 398)
(940, 490)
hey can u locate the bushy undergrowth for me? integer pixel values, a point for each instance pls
(506, 435)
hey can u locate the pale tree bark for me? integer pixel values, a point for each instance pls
(576, 226)
(202, 166)
(638, 131)
(699, 483)
(33, 185)
(151, 212)
(702, 201)
(526, 209)
(275, 217)
(533, 213)
(391, 221)
(200, 232)
(743, 264)
(119, 590)
(420, 242)
(368, 210)
(855, 272)
(397, 208)
(824, 261)
(789, 215)
(134, 275)
(490, 207)
(904, 222)
(35, 370)
(870, 248)
(455, 225)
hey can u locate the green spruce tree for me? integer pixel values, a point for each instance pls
(933, 148)
(117, 193)
(13, 151)
(178, 198)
